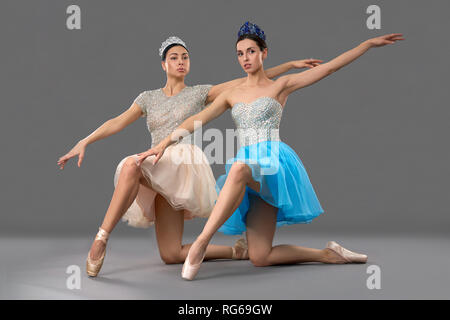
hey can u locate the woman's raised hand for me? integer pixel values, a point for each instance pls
(386, 39)
(157, 151)
(306, 63)
(78, 150)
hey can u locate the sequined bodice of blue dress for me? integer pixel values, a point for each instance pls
(258, 120)
(288, 187)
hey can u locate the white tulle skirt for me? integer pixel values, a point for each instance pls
(182, 176)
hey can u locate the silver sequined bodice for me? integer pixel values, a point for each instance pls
(257, 121)
(164, 114)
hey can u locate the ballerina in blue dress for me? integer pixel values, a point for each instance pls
(265, 184)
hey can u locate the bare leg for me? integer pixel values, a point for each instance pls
(261, 225)
(169, 225)
(229, 199)
(123, 196)
(168, 222)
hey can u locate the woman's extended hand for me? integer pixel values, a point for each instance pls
(157, 150)
(386, 39)
(79, 150)
(306, 63)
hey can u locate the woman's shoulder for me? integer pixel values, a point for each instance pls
(145, 97)
(201, 87)
(149, 93)
(200, 92)
(232, 94)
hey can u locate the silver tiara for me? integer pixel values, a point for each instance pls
(168, 42)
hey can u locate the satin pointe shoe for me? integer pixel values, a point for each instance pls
(93, 266)
(189, 271)
(347, 255)
(241, 243)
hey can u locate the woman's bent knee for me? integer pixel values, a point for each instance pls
(240, 171)
(171, 258)
(130, 167)
(131, 162)
(259, 260)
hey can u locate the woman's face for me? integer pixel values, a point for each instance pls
(249, 55)
(177, 62)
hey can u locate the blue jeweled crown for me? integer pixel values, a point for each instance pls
(250, 28)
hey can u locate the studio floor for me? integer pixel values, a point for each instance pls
(410, 267)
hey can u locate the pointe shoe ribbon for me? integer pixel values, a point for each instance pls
(189, 271)
(93, 266)
(241, 243)
(347, 255)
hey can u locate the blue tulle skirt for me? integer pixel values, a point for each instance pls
(284, 183)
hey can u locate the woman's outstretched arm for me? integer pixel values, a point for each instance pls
(293, 82)
(108, 128)
(219, 106)
(271, 73)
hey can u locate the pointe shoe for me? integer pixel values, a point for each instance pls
(347, 255)
(241, 243)
(189, 271)
(93, 266)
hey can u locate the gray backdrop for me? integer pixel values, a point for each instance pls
(373, 136)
